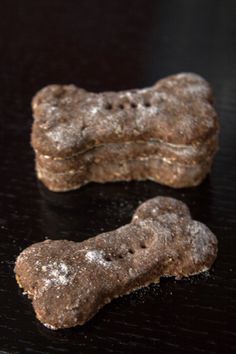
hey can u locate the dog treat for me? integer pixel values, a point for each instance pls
(69, 282)
(167, 133)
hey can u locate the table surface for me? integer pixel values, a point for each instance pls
(113, 45)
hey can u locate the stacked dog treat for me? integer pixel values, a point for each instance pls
(167, 133)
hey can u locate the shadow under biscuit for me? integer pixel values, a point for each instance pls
(95, 208)
(83, 213)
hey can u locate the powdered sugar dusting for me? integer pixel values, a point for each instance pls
(97, 257)
(202, 241)
(195, 89)
(64, 135)
(57, 273)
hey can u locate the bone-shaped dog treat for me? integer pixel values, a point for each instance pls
(69, 282)
(167, 133)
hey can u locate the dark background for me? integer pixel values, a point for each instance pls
(112, 45)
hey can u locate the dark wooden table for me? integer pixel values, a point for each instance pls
(112, 45)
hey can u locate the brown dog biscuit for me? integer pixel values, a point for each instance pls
(70, 120)
(173, 121)
(69, 282)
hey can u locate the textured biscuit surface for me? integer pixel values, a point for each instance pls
(69, 282)
(173, 121)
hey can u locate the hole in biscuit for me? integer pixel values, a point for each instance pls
(63, 120)
(147, 104)
(142, 245)
(133, 105)
(131, 251)
(108, 258)
(108, 106)
(120, 256)
(121, 106)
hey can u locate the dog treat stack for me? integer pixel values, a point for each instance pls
(167, 133)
